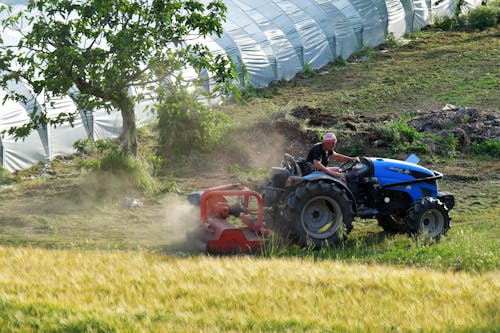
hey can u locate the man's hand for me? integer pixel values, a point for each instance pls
(355, 159)
(336, 174)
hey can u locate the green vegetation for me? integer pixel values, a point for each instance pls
(64, 50)
(401, 137)
(471, 92)
(470, 246)
(187, 125)
(309, 72)
(103, 156)
(75, 259)
(5, 176)
(481, 18)
(488, 147)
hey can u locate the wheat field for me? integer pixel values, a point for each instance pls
(77, 291)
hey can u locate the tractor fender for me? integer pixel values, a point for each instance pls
(317, 176)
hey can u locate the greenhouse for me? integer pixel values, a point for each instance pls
(270, 39)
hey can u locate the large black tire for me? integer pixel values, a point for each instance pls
(273, 216)
(392, 223)
(428, 217)
(319, 213)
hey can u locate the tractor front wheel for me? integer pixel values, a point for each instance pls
(428, 217)
(320, 213)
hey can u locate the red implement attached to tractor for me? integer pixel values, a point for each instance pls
(225, 236)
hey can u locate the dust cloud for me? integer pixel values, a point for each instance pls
(267, 151)
(263, 146)
(94, 211)
(182, 226)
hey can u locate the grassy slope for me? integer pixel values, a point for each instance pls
(451, 286)
(439, 68)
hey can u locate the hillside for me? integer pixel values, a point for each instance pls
(367, 101)
(76, 255)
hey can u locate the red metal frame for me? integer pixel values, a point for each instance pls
(228, 238)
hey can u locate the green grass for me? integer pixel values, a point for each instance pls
(474, 91)
(427, 73)
(472, 244)
(73, 259)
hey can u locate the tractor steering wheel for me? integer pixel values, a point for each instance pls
(290, 164)
(347, 166)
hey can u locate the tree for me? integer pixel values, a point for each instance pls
(105, 47)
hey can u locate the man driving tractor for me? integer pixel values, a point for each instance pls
(320, 153)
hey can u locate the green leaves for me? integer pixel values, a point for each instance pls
(103, 48)
(186, 124)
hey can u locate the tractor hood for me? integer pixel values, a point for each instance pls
(390, 171)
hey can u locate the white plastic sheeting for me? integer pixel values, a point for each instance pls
(270, 39)
(275, 39)
(46, 143)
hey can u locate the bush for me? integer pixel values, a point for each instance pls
(186, 124)
(5, 176)
(488, 147)
(106, 156)
(457, 22)
(483, 17)
(399, 136)
(449, 146)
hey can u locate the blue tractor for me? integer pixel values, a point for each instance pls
(316, 208)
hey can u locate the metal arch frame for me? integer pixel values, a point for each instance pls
(276, 55)
(255, 4)
(301, 34)
(341, 22)
(366, 18)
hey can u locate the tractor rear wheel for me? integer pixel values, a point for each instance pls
(428, 217)
(272, 213)
(320, 213)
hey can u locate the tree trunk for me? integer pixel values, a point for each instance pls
(129, 133)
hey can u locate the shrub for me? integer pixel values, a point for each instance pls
(457, 22)
(108, 157)
(186, 124)
(399, 136)
(5, 176)
(488, 147)
(483, 17)
(449, 146)
(137, 171)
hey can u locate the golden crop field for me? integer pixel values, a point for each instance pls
(61, 290)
